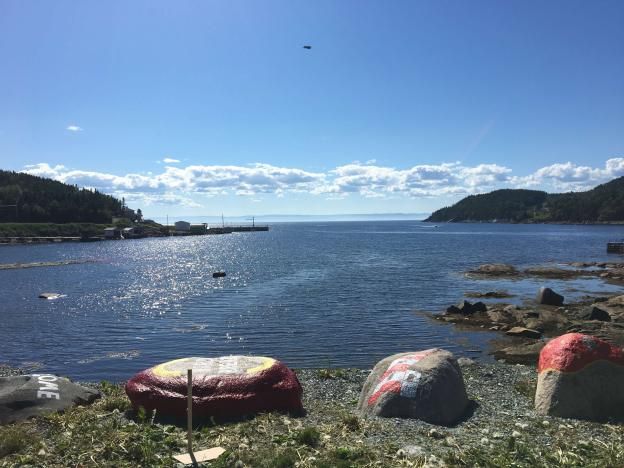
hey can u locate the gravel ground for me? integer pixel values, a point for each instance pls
(6, 371)
(502, 407)
(501, 410)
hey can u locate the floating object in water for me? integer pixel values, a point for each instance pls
(307, 47)
(218, 274)
(47, 295)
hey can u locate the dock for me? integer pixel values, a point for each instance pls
(231, 229)
(615, 247)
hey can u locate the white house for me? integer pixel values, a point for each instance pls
(182, 226)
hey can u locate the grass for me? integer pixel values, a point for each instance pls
(568, 452)
(108, 433)
(330, 373)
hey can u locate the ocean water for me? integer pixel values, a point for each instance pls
(310, 294)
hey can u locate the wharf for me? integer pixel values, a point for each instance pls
(230, 229)
(615, 247)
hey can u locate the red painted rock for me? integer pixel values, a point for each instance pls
(426, 385)
(582, 377)
(224, 387)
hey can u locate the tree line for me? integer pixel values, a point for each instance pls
(25, 198)
(602, 204)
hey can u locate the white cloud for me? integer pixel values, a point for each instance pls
(170, 161)
(74, 128)
(186, 185)
(571, 177)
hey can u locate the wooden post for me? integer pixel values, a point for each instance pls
(191, 458)
(189, 412)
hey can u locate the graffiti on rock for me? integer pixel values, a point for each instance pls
(399, 378)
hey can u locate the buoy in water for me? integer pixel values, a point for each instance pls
(218, 274)
(47, 295)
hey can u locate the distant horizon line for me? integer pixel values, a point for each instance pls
(416, 216)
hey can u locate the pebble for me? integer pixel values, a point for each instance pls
(435, 434)
(485, 441)
(515, 434)
(414, 450)
(497, 435)
(522, 425)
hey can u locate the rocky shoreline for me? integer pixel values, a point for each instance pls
(526, 328)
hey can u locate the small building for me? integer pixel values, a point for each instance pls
(199, 228)
(112, 233)
(182, 226)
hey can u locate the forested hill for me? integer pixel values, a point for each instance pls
(42, 200)
(603, 204)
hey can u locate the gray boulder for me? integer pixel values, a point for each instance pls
(547, 296)
(426, 385)
(25, 396)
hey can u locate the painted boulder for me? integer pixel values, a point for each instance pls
(26, 396)
(581, 377)
(426, 385)
(223, 387)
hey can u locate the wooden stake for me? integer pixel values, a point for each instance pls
(189, 412)
(203, 455)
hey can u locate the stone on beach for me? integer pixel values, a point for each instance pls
(426, 385)
(582, 377)
(26, 396)
(224, 387)
(547, 296)
(614, 307)
(598, 312)
(524, 332)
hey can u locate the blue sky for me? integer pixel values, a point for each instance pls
(206, 107)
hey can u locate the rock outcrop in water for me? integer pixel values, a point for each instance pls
(547, 296)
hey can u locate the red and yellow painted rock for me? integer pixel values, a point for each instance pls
(223, 387)
(582, 377)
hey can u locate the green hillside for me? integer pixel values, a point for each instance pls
(42, 200)
(603, 204)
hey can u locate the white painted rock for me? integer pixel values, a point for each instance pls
(426, 385)
(25, 396)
